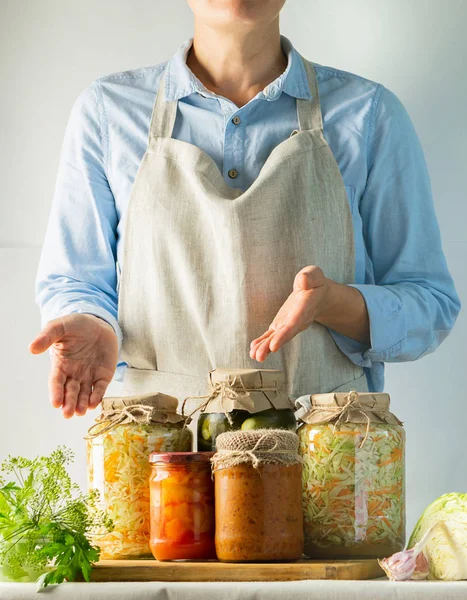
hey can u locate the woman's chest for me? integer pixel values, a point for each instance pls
(240, 142)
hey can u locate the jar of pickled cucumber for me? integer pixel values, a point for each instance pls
(128, 430)
(353, 450)
(243, 399)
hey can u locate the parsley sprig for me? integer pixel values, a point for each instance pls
(45, 521)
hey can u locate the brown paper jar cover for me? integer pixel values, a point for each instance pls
(253, 390)
(347, 407)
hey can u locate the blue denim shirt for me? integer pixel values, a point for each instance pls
(400, 267)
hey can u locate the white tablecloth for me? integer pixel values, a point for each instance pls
(296, 590)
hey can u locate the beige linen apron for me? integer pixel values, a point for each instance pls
(206, 267)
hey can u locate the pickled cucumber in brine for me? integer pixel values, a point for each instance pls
(210, 425)
(271, 419)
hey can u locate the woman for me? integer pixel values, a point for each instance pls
(205, 217)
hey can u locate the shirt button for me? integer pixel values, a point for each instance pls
(236, 120)
(233, 173)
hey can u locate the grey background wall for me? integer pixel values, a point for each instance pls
(50, 50)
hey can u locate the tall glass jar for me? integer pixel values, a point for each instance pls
(243, 399)
(257, 476)
(182, 506)
(353, 476)
(118, 449)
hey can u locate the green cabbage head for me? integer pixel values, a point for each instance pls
(445, 522)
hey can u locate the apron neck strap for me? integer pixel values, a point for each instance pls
(163, 114)
(309, 111)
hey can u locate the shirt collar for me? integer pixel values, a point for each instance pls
(181, 82)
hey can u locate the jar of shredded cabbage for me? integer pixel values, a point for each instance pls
(353, 449)
(128, 430)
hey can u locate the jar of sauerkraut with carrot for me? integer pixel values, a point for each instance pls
(353, 450)
(127, 431)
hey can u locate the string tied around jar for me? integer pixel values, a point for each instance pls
(135, 413)
(226, 390)
(256, 447)
(142, 409)
(253, 453)
(352, 404)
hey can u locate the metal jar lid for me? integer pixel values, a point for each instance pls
(181, 458)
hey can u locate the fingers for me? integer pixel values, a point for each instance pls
(308, 278)
(259, 348)
(98, 392)
(255, 343)
(294, 316)
(83, 399)
(57, 381)
(72, 388)
(273, 339)
(73, 396)
(51, 333)
(280, 338)
(263, 350)
(262, 337)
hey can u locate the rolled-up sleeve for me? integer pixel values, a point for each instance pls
(77, 269)
(412, 301)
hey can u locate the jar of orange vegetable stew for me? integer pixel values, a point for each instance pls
(182, 506)
(118, 448)
(353, 476)
(258, 490)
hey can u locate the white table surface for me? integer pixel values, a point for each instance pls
(296, 590)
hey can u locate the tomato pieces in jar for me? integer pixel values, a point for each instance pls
(182, 506)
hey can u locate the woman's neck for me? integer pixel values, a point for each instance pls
(237, 65)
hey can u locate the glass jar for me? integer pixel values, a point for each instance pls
(118, 449)
(244, 399)
(353, 477)
(210, 425)
(258, 485)
(182, 506)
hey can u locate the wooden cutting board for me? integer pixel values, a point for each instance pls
(152, 570)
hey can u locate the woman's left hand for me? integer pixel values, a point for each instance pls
(305, 305)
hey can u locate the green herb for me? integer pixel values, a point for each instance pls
(45, 520)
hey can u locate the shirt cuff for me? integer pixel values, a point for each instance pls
(87, 308)
(388, 327)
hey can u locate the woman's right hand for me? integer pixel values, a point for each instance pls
(84, 359)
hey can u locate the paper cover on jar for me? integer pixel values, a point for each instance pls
(345, 407)
(144, 408)
(253, 390)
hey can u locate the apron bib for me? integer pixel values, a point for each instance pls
(206, 267)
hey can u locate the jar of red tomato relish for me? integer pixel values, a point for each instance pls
(182, 506)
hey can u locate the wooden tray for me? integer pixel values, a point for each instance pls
(152, 570)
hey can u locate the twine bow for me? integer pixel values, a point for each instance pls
(352, 404)
(135, 413)
(253, 454)
(226, 390)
